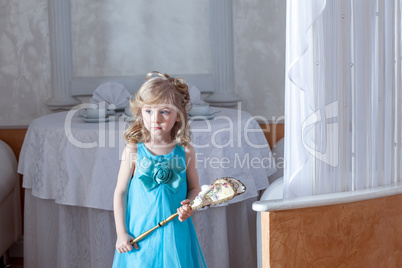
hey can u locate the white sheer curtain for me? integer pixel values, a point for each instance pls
(343, 96)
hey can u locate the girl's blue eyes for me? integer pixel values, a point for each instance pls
(162, 112)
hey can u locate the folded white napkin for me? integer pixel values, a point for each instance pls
(195, 95)
(114, 94)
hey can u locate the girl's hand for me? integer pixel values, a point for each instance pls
(184, 211)
(123, 243)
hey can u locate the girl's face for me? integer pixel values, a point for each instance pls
(159, 119)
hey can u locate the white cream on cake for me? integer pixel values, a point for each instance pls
(222, 190)
(198, 201)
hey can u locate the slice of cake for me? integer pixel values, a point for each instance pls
(222, 190)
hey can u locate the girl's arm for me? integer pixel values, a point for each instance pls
(127, 167)
(193, 185)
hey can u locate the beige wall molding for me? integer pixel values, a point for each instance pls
(65, 86)
(61, 56)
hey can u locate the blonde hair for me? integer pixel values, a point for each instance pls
(160, 89)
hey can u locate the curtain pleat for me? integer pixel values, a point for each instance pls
(343, 96)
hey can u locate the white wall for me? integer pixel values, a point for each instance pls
(132, 37)
(259, 55)
(25, 85)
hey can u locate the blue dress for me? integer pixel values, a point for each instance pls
(158, 186)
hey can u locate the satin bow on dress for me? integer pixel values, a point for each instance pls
(170, 172)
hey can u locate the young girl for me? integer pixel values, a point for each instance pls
(165, 179)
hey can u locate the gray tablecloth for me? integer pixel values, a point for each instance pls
(76, 163)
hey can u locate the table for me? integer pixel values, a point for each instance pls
(70, 170)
